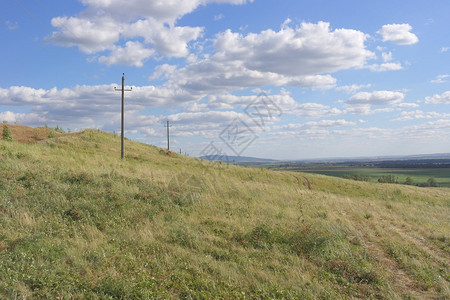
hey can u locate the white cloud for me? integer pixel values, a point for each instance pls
(445, 49)
(90, 35)
(419, 114)
(407, 105)
(167, 11)
(439, 99)
(163, 71)
(279, 104)
(315, 110)
(22, 118)
(218, 17)
(289, 57)
(440, 78)
(171, 41)
(385, 67)
(377, 98)
(307, 50)
(387, 56)
(315, 124)
(89, 104)
(350, 89)
(399, 34)
(362, 102)
(133, 54)
(105, 25)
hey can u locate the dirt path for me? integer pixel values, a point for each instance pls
(438, 255)
(401, 282)
(305, 181)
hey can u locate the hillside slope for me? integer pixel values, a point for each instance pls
(77, 222)
(26, 134)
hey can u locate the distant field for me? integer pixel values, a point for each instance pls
(441, 175)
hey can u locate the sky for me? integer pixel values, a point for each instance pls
(273, 79)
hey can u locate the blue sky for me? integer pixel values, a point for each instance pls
(276, 79)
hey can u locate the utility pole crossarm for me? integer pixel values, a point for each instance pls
(123, 90)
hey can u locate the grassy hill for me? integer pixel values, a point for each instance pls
(77, 222)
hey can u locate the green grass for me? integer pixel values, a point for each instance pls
(77, 222)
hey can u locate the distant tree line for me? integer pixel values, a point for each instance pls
(431, 182)
(357, 177)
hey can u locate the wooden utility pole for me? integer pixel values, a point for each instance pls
(123, 111)
(168, 142)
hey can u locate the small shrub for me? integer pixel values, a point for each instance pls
(409, 181)
(357, 177)
(59, 129)
(7, 134)
(431, 182)
(388, 179)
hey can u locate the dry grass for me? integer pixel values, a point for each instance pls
(77, 222)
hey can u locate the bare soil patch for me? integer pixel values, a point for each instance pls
(26, 134)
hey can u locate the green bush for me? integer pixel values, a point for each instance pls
(409, 181)
(357, 177)
(388, 179)
(7, 134)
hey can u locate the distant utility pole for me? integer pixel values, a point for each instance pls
(123, 110)
(168, 143)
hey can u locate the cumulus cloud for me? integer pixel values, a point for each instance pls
(88, 104)
(385, 67)
(22, 118)
(108, 25)
(439, 99)
(161, 10)
(279, 104)
(377, 98)
(133, 54)
(399, 34)
(306, 50)
(315, 110)
(296, 57)
(171, 41)
(362, 102)
(90, 35)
